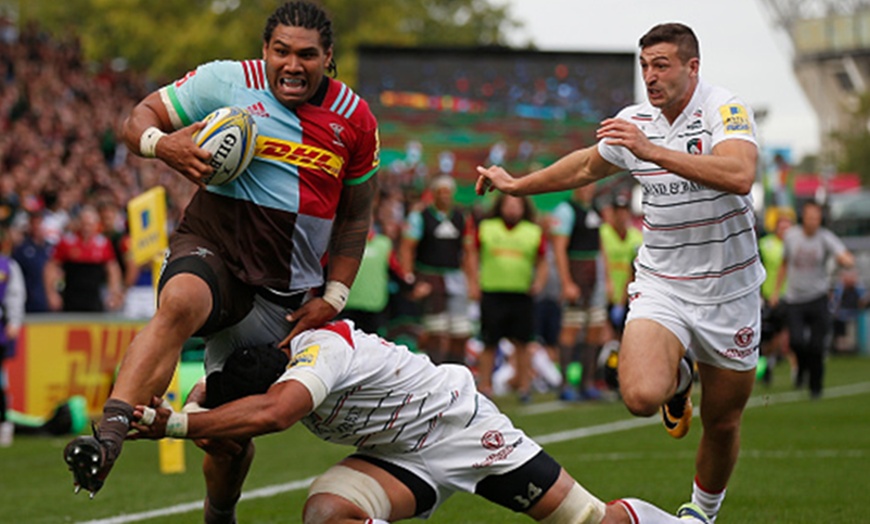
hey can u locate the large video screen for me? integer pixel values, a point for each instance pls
(449, 110)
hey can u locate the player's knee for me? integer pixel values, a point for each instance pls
(578, 507)
(639, 402)
(722, 428)
(345, 493)
(323, 508)
(177, 313)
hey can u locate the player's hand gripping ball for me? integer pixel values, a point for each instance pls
(230, 135)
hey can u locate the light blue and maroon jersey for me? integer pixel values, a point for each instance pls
(275, 220)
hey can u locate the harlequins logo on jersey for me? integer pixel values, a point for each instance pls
(337, 129)
(695, 146)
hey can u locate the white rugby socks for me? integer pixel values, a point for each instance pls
(641, 512)
(706, 500)
(684, 375)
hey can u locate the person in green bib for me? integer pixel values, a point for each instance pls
(512, 269)
(370, 293)
(774, 335)
(620, 241)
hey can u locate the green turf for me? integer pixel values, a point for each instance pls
(802, 462)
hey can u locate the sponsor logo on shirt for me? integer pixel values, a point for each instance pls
(735, 119)
(302, 155)
(306, 357)
(697, 124)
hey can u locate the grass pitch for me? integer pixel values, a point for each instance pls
(802, 461)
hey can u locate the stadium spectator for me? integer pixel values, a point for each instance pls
(10, 202)
(692, 148)
(13, 295)
(547, 303)
(849, 297)
(577, 246)
(32, 254)
(82, 274)
(370, 293)
(435, 247)
(804, 272)
(247, 254)
(774, 335)
(511, 268)
(620, 241)
(427, 434)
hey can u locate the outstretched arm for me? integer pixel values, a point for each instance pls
(279, 408)
(576, 169)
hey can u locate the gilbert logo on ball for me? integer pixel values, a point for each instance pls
(230, 135)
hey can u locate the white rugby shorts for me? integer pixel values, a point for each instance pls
(725, 335)
(460, 459)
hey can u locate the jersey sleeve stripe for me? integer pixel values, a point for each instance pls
(347, 100)
(251, 78)
(261, 73)
(359, 180)
(177, 115)
(352, 107)
(338, 99)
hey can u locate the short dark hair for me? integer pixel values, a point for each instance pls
(528, 207)
(306, 15)
(674, 33)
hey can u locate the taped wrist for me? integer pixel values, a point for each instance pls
(336, 294)
(148, 142)
(176, 426)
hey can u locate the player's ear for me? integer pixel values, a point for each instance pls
(265, 48)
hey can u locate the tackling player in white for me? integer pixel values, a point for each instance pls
(421, 432)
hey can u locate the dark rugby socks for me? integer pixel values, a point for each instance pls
(113, 426)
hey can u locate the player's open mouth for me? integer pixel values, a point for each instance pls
(292, 86)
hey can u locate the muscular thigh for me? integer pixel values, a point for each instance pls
(231, 298)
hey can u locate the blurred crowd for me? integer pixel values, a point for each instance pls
(65, 176)
(439, 277)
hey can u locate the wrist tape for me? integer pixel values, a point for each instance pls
(148, 142)
(176, 426)
(336, 294)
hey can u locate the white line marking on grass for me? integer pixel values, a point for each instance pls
(560, 436)
(745, 454)
(762, 400)
(268, 491)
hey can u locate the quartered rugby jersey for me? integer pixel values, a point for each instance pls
(275, 220)
(699, 243)
(371, 393)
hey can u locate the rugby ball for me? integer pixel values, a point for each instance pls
(230, 135)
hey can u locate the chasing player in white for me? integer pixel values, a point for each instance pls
(691, 147)
(422, 432)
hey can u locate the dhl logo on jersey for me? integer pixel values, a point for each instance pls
(301, 155)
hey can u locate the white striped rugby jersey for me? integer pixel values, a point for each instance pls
(371, 393)
(698, 243)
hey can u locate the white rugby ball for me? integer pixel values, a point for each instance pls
(230, 135)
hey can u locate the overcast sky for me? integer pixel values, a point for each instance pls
(740, 50)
